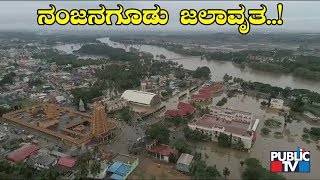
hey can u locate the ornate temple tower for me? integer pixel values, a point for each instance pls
(101, 127)
(51, 111)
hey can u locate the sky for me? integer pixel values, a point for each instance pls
(297, 16)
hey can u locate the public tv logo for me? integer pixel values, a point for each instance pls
(290, 161)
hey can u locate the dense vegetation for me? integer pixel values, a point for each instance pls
(158, 132)
(202, 72)
(275, 91)
(254, 170)
(52, 55)
(222, 101)
(200, 170)
(116, 54)
(7, 79)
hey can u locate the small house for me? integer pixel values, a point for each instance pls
(276, 103)
(184, 162)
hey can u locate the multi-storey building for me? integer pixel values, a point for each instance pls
(240, 124)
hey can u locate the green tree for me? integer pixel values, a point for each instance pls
(226, 172)
(158, 132)
(83, 164)
(241, 163)
(227, 78)
(126, 114)
(254, 170)
(182, 146)
(224, 140)
(95, 168)
(297, 105)
(202, 72)
(265, 131)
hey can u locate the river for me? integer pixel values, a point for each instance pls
(218, 68)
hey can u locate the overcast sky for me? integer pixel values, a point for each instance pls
(297, 16)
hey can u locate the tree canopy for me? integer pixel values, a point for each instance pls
(158, 132)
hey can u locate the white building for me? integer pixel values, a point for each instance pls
(61, 99)
(231, 114)
(276, 103)
(141, 97)
(214, 125)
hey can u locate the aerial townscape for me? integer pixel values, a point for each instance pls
(147, 106)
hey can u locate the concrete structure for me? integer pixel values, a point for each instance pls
(122, 166)
(231, 114)
(276, 103)
(42, 161)
(213, 126)
(312, 116)
(184, 162)
(141, 97)
(68, 125)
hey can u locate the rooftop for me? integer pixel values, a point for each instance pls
(67, 162)
(234, 127)
(43, 159)
(213, 88)
(162, 149)
(229, 110)
(201, 96)
(183, 109)
(140, 97)
(185, 159)
(22, 153)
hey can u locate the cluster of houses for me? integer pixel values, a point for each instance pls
(113, 166)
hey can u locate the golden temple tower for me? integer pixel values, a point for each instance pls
(101, 127)
(51, 111)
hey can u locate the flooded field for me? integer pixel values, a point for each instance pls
(289, 140)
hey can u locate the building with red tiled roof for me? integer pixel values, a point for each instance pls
(213, 89)
(67, 162)
(161, 151)
(22, 153)
(183, 110)
(206, 92)
(201, 97)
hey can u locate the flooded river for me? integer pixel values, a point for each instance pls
(218, 68)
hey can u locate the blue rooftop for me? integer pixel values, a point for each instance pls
(116, 177)
(119, 170)
(114, 167)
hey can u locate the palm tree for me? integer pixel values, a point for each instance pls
(241, 163)
(226, 172)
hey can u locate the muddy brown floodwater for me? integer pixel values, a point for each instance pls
(291, 138)
(218, 68)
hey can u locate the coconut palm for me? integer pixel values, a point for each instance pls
(226, 172)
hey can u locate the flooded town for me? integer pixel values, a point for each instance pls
(144, 105)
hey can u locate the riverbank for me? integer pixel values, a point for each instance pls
(218, 68)
(281, 61)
